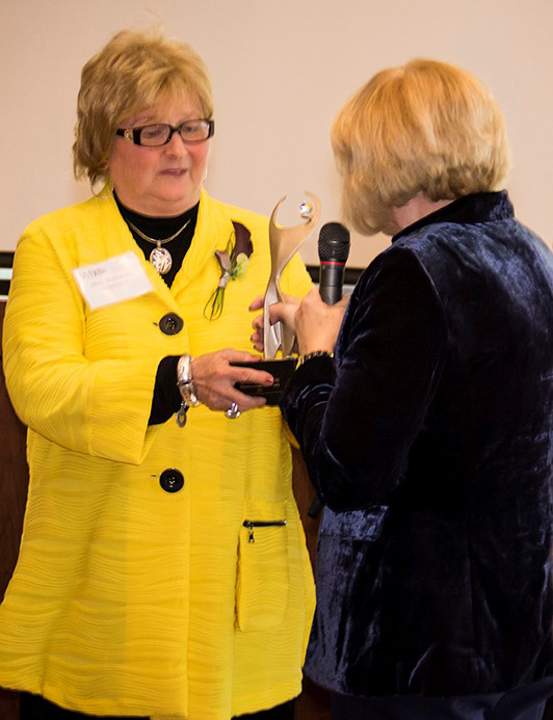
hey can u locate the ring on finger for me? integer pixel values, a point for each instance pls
(233, 411)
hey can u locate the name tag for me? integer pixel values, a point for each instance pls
(120, 278)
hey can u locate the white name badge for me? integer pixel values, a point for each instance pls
(120, 278)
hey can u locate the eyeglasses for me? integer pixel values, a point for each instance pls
(191, 132)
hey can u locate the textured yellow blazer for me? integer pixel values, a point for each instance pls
(132, 596)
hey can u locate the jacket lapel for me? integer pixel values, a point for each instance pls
(213, 230)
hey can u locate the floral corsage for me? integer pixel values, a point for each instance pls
(234, 263)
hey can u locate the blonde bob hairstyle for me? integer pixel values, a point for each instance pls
(134, 71)
(423, 127)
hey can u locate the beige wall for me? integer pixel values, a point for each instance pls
(281, 69)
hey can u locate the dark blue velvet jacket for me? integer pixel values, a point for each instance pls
(430, 441)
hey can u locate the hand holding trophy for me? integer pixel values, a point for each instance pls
(284, 242)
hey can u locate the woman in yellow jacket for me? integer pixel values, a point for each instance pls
(163, 568)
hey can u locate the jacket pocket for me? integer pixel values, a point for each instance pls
(262, 579)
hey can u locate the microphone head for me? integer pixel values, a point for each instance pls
(334, 242)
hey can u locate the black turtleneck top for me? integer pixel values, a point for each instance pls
(167, 398)
(160, 228)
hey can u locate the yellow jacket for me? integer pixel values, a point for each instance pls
(129, 599)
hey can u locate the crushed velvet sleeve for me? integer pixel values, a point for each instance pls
(356, 421)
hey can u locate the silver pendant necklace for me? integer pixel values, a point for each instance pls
(160, 257)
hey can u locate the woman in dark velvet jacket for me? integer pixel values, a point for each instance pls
(426, 421)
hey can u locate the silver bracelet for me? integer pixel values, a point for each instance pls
(185, 383)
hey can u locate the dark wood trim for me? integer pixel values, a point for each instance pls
(13, 495)
(351, 274)
(6, 258)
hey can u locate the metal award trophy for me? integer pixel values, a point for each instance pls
(284, 242)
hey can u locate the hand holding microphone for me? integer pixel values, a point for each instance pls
(320, 314)
(316, 320)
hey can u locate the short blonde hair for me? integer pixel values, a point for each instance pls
(425, 126)
(131, 73)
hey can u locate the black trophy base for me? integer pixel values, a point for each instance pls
(281, 370)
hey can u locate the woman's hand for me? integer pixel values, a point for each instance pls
(278, 312)
(316, 323)
(214, 379)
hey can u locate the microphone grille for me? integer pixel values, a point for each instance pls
(334, 242)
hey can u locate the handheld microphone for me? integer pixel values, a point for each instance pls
(333, 253)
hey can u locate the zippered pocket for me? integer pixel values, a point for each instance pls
(252, 524)
(262, 578)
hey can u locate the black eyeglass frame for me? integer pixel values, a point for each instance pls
(133, 134)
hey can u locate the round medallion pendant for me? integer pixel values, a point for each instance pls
(161, 259)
